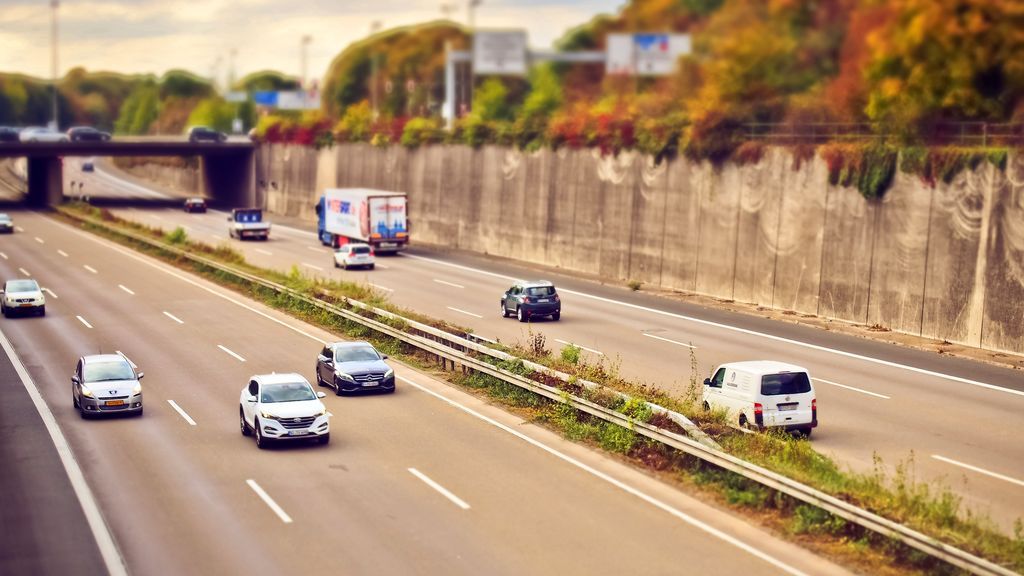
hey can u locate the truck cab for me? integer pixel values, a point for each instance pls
(248, 223)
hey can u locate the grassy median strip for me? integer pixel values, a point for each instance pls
(895, 495)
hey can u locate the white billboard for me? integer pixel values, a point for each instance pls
(645, 54)
(500, 52)
(298, 100)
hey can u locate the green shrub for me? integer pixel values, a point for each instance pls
(177, 236)
(571, 354)
(419, 131)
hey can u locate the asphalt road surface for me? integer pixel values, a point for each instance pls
(429, 480)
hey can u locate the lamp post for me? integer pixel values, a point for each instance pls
(467, 85)
(375, 27)
(306, 39)
(54, 4)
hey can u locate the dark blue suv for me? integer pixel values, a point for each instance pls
(528, 300)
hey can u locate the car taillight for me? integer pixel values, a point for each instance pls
(557, 299)
(758, 414)
(526, 299)
(814, 412)
(372, 253)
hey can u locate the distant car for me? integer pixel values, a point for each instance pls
(106, 384)
(354, 255)
(22, 296)
(88, 166)
(282, 407)
(6, 224)
(8, 134)
(40, 134)
(528, 300)
(205, 134)
(248, 223)
(87, 134)
(354, 367)
(195, 205)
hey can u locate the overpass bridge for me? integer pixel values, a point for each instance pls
(227, 168)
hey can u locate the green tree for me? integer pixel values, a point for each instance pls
(490, 101)
(213, 112)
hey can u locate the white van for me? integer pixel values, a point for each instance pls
(764, 394)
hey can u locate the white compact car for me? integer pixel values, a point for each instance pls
(764, 394)
(22, 296)
(282, 407)
(40, 134)
(354, 255)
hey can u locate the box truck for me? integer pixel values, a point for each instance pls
(375, 217)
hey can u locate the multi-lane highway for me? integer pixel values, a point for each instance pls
(429, 480)
(952, 417)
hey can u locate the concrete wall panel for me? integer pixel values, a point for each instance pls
(798, 247)
(1003, 325)
(683, 221)
(719, 203)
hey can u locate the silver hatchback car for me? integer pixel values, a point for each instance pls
(106, 384)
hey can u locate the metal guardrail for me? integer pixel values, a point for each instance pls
(800, 492)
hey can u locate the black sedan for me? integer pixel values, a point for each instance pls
(87, 134)
(354, 367)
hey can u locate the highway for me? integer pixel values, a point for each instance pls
(951, 416)
(429, 480)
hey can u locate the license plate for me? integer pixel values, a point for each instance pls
(388, 245)
(296, 432)
(369, 384)
(787, 407)
(114, 403)
(25, 305)
(543, 300)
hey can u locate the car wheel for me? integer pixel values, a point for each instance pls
(344, 265)
(520, 314)
(319, 380)
(371, 266)
(336, 265)
(3, 310)
(707, 407)
(74, 400)
(337, 388)
(324, 439)
(242, 424)
(504, 311)
(556, 316)
(85, 413)
(139, 413)
(806, 432)
(743, 421)
(42, 310)
(261, 442)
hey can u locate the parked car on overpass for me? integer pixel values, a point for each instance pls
(205, 134)
(87, 134)
(40, 134)
(8, 134)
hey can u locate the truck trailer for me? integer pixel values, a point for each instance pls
(375, 217)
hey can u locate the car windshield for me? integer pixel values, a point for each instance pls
(788, 383)
(360, 249)
(356, 354)
(22, 286)
(107, 371)
(541, 291)
(287, 392)
(5, 218)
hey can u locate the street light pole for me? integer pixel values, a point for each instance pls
(374, 28)
(467, 85)
(54, 4)
(305, 45)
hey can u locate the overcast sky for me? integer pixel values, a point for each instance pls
(156, 35)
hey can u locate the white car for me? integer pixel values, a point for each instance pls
(40, 134)
(354, 255)
(20, 296)
(764, 394)
(282, 407)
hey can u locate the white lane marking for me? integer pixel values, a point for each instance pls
(173, 317)
(382, 266)
(182, 412)
(62, 253)
(313, 266)
(126, 289)
(877, 395)
(690, 346)
(692, 521)
(84, 321)
(269, 501)
(155, 217)
(598, 352)
(464, 312)
(2, 255)
(452, 284)
(441, 489)
(40, 240)
(25, 272)
(315, 248)
(979, 470)
(237, 357)
(264, 252)
(50, 292)
(807, 345)
(93, 516)
(90, 268)
(19, 228)
(384, 288)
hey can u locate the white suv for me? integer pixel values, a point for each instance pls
(352, 255)
(282, 407)
(20, 296)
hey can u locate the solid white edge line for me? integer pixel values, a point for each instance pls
(25, 272)
(384, 288)
(440, 489)
(464, 312)
(90, 268)
(237, 357)
(598, 352)
(126, 289)
(446, 283)
(808, 345)
(615, 482)
(40, 240)
(173, 317)
(676, 342)
(979, 470)
(112, 558)
(62, 253)
(182, 412)
(269, 501)
(264, 252)
(50, 292)
(882, 396)
(313, 266)
(84, 321)
(315, 248)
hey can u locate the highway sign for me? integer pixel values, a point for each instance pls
(645, 54)
(500, 52)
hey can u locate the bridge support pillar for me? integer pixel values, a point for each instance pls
(230, 180)
(45, 182)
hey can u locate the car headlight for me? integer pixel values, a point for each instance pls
(86, 392)
(321, 412)
(389, 373)
(344, 376)
(137, 390)
(267, 415)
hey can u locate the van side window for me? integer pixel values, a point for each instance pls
(716, 382)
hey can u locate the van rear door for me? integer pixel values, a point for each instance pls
(787, 399)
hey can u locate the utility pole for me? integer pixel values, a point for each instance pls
(467, 84)
(306, 39)
(54, 4)
(375, 27)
